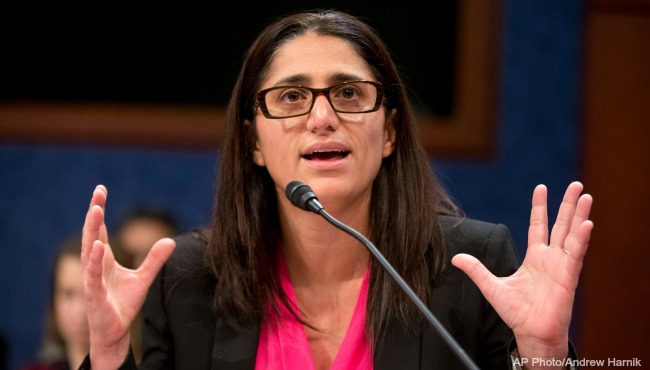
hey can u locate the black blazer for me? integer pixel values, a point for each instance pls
(180, 330)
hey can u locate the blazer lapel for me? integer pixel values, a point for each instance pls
(234, 350)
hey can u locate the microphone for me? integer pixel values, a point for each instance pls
(301, 196)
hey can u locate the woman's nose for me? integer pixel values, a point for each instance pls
(322, 115)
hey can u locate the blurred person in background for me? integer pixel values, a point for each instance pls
(141, 228)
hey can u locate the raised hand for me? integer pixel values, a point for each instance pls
(537, 300)
(113, 294)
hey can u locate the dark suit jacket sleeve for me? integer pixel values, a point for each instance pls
(129, 363)
(178, 326)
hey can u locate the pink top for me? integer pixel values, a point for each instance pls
(284, 345)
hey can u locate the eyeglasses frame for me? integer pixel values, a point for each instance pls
(261, 102)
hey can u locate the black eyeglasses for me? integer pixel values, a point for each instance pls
(293, 101)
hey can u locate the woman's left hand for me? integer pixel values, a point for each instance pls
(537, 300)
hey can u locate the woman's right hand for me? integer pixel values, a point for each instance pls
(113, 294)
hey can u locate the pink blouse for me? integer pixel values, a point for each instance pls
(283, 345)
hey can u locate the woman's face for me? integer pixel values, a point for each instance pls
(337, 154)
(69, 306)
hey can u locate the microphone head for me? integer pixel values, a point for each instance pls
(300, 195)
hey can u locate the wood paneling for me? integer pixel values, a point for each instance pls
(468, 132)
(614, 297)
(144, 126)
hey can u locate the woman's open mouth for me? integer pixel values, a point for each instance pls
(325, 155)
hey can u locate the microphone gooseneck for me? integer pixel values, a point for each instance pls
(301, 196)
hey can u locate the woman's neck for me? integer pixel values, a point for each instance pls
(317, 253)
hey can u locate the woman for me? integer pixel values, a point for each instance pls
(65, 339)
(319, 100)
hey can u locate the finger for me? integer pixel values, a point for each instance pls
(91, 233)
(100, 193)
(156, 258)
(87, 238)
(583, 208)
(477, 272)
(103, 233)
(93, 228)
(538, 229)
(578, 249)
(93, 285)
(582, 239)
(578, 239)
(565, 215)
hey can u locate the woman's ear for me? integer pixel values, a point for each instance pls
(390, 134)
(258, 158)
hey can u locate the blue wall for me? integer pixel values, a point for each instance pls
(44, 190)
(538, 136)
(44, 194)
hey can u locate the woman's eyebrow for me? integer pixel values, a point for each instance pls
(304, 80)
(344, 77)
(297, 79)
